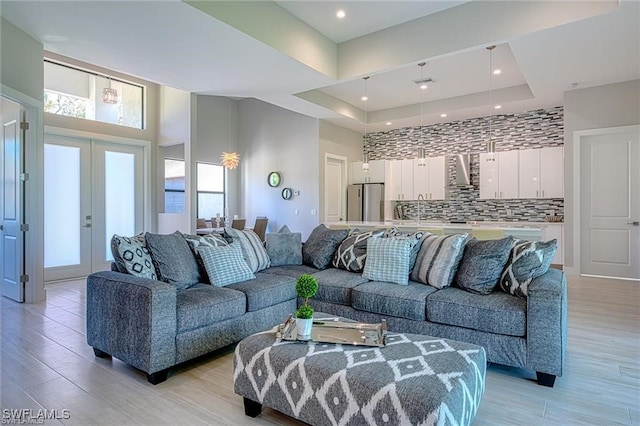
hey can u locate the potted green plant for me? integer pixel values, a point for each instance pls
(306, 287)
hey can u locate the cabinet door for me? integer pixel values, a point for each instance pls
(488, 177)
(437, 181)
(529, 173)
(376, 171)
(407, 179)
(507, 174)
(395, 183)
(420, 180)
(357, 175)
(552, 172)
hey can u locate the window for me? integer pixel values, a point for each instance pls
(210, 189)
(78, 93)
(174, 186)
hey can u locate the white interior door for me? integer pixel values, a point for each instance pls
(610, 204)
(334, 188)
(11, 202)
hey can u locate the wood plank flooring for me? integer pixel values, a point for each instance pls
(46, 364)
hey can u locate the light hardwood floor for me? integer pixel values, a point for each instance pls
(46, 363)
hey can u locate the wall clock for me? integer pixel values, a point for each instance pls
(287, 193)
(274, 179)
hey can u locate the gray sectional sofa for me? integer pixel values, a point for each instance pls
(154, 325)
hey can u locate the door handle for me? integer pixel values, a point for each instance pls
(1, 227)
(634, 223)
(87, 225)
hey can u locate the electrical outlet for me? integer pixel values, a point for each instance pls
(296, 212)
(313, 212)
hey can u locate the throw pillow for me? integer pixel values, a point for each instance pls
(388, 260)
(319, 248)
(482, 264)
(173, 259)
(417, 236)
(438, 259)
(527, 260)
(225, 264)
(284, 247)
(352, 252)
(132, 256)
(252, 249)
(198, 241)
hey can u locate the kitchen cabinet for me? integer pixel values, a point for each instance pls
(541, 173)
(551, 231)
(429, 180)
(400, 183)
(376, 173)
(499, 178)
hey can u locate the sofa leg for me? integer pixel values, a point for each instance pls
(251, 408)
(545, 379)
(100, 354)
(158, 376)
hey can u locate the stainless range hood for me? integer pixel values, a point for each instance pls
(463, 169)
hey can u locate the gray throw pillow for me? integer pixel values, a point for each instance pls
(388, 260)
(284, 247)
(321, 245)
(225, 264)
(196, 242)
(527, 260)
(252, 249)
(131, 256)
(482, 264)
(352, 252)
(438, 259)
(173, 259)
(394, 232)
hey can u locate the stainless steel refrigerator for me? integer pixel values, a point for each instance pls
(365, 202)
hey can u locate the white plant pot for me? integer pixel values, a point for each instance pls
(304, 328)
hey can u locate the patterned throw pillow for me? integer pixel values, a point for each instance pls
(352, 252)
(198, 241)
(132, 256)
(482, 264)
(394, 232)
(438, 259)
(253, 251)
(225, 264)
(321, 245)
(388, 259)
(284, 247)
(527, 260)
(173, 259)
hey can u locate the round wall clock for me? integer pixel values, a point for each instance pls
(287, 193)
(274, 179)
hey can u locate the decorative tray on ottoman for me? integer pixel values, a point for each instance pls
(349, 333)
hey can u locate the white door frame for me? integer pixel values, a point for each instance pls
(577, 139)
(343, 160)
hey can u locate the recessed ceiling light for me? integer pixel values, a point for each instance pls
(443, 115)
(388, 123)
(364, 98)
(341, 14)
(497, 71)
(497, 107)
(423, 86)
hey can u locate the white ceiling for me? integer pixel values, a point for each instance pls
(175, 44)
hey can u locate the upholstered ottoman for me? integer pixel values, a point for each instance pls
(414, 379)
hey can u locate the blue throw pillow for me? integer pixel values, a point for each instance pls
(482, 264)
(388, 259)
(225, 264)
(284, 247)
(173, 259)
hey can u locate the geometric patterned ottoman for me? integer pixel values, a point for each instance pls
(414, 379)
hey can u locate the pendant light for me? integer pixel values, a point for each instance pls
(491, 145)
(109, 94)
(365, 98)
(422, 83)
(229, 160)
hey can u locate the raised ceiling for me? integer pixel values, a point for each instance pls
(299, 56)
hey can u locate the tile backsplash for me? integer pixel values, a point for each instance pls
(533, 129)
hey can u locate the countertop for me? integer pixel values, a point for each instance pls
(445, 225)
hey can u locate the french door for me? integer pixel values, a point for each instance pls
(93, 189)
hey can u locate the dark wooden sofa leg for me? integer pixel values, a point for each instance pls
(545, 379)
(158, 376)
(100, 354)
(251, 408)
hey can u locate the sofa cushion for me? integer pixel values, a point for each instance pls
(319, 248)
(335, 285)
(352, 252)
(131, 256)
(498, 312)
(225, 264)
(252, 249)
(266, 290)
(173, 259)
(438, 259)
(290, 270)
(527, 260)
(482, 264)
(388, 259)
(284, 247)
(407, 301)
(204, 304)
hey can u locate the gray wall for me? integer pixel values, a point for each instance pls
(592, 108)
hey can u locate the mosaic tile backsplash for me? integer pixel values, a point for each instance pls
(533, 129)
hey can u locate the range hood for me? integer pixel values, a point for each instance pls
(463, 169)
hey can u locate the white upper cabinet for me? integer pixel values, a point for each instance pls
(429, 180)
(542, 173)
(400, 183)
(499, 178)
(376, 173)
(356, 174)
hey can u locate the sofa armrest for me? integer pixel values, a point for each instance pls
(547, 322)
(132, 319)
